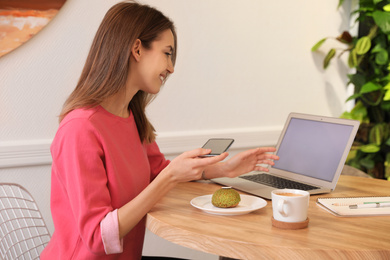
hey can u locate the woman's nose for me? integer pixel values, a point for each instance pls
(170, 67)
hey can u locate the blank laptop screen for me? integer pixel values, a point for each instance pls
(313, 148)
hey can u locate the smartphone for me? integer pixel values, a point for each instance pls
(217, 146)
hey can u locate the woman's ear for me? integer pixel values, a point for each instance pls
(136, 49)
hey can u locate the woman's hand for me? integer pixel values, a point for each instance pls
(186, 167)
(242, 163)
(189, 165)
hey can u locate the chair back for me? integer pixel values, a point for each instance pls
(23, 232)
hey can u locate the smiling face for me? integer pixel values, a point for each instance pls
(149, 68)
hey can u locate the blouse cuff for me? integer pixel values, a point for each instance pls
(110, 233)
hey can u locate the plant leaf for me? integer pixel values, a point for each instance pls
(385, 105)
(367, 162)
(359, 112)
(372, 32)
(387, 166)
(352, 59)
(382, 57)
(387, 95)
(318, 44)
(363, 45)
(370, 87)
(351, 155)
(346, 115)
(386, 8)
(358, 80)
(377, 48)
(328, 57)
(340, 3)
(354, 96)
(377, 134)
(370, 148)
(382, 19)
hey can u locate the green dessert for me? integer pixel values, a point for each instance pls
(226, 197)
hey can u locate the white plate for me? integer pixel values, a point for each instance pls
(247, 204)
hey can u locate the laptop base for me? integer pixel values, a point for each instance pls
(257, 189)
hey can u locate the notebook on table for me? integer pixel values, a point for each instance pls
(341, 207)
(312, 151)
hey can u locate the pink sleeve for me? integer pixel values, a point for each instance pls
(110, 233)
(157, 160)
(78, 159)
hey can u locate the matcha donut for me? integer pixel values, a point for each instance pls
(226, 197)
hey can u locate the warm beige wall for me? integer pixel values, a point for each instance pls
(242, 67)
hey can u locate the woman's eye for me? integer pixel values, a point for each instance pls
(168, 53)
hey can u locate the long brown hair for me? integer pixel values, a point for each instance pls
(106, 68)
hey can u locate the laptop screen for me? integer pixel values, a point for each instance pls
(313, 148)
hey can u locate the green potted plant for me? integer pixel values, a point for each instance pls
(369, 56)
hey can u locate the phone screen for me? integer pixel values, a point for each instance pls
(217, 145)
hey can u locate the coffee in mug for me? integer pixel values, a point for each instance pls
(289, 205)
(289, 194)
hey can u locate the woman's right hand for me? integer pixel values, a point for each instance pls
(189, 165)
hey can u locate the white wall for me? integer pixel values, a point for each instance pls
(242, 67)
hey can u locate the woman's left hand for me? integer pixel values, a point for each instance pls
(244, 162)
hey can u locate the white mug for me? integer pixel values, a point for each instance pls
(289, 205)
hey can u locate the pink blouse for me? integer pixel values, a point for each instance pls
(99, 164)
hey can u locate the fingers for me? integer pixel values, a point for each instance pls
(202, 162)
(261, 151)
(261, 169)
(269, 162)
(265, 150)
(267, 157)
(266, 153)
(197, 152)
(262, 155)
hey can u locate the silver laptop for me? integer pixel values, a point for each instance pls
(312, 151)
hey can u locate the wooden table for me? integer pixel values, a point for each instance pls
(252, 236)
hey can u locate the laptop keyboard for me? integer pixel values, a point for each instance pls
(278, 182)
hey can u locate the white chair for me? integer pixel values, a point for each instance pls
(23, 232)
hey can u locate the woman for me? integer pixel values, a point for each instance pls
(107, 170)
